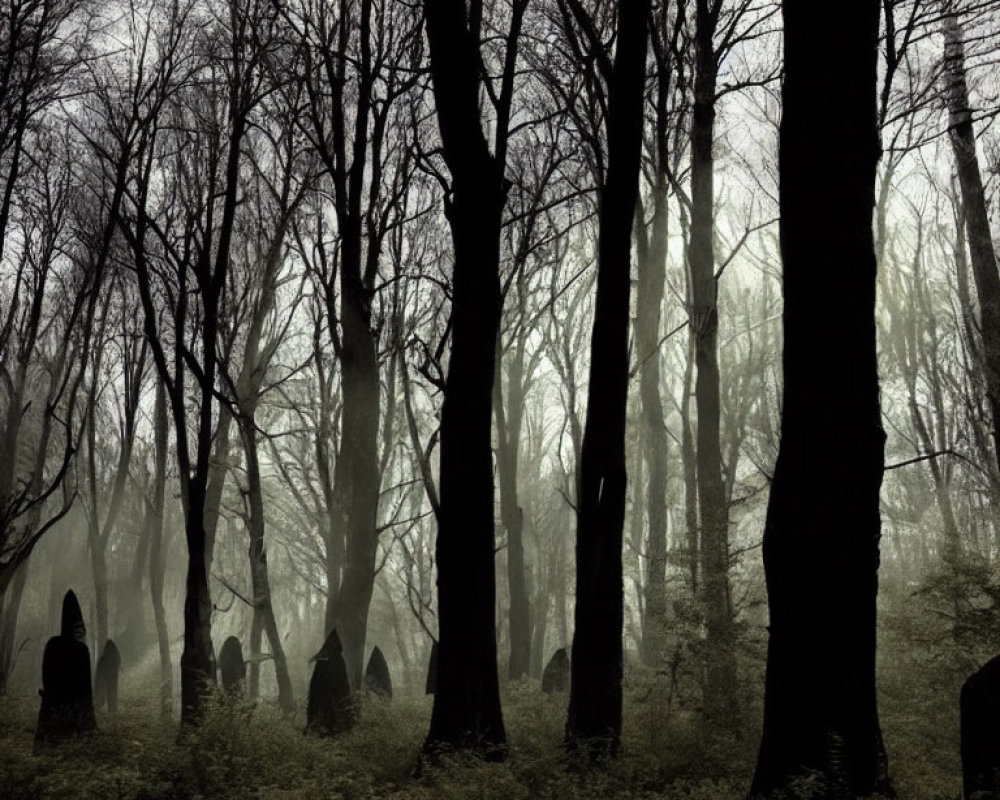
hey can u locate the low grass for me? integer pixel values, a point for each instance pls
(250, 752)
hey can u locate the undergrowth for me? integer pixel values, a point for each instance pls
(256, 753)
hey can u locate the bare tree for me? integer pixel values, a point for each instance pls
(594, 719)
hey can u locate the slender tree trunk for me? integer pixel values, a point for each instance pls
(720, 658)
(977, 224)
(218, 473)
(263, 607)
(198, 657)
(821, 547)
(649, 301)
(509, 414)
(595, 705)
(157, 562)
(690, 477)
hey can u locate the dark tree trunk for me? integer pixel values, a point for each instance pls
(821, 537)
(218, 471)
(690, 477)
(351, 159)
(467, 710)
(720, 659)
(594, 720)
(357, 471)
(157, 562)
(263, 608)
(198, 656)
(977, 224)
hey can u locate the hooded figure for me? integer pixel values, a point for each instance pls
(67, 700)
(377, 678)
(329, 710)
(232, 666)
(555, 679)
(106, 679)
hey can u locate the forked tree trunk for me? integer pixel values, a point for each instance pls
(467, 710)
(821, 537)
(593, 725)
(263, 607)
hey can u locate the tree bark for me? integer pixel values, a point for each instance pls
(263, 607)
(821, 537)
(593, 725)
(157, 562)
(720, 658)
(509, 415)
(10, 606)
(977, 224)
(649, 300)
(467, 712)
(356, 479)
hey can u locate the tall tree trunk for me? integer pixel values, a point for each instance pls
(218, 472)
(720, 658)
(198, 656)
(467, 711)
(690, 476)
(356, 477)
(157, 562)
(977, 224)
(263, 607)
(509, 413)
(821, 546)
(594, 720)
(649, 300)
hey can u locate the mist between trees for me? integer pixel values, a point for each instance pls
(488, 327)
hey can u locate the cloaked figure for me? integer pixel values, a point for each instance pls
(67, 699)
(106, 678)
(329, 710)
(555, 678)
(432, 671)
(377, 678)
(980, 732)
(232, 666)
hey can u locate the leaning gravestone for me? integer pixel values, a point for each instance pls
(555, 678)
(979, 705)
(432, 671)
(329, 710)
(106, 678)
(67, 708)
(232, 666)
(377, 678)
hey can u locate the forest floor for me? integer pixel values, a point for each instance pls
(256, 753)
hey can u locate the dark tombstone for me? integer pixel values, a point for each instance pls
(432, 671)
(329, 710)
(377, 678)
(106, 678)
(979, 705)
(232, 666)
(67, 708)
(555, 678)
